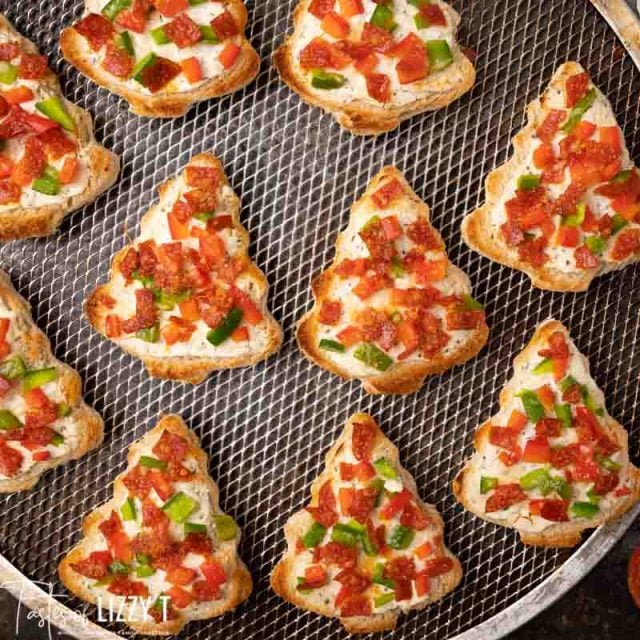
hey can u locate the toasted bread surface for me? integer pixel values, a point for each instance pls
(548, 480)
(347, 503)
(214, 275)
(217, 78)
(439, 292)
(29, 213)
(352, 104)
(52, 417)
(574, 253)
(216, 595)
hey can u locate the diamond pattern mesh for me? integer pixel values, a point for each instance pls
(267, 428)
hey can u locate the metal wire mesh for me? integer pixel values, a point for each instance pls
(266, 428)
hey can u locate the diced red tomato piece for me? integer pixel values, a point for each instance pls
(69, 170)
(335, 25)
(9, 51)
(6, 166)
(350, 8)
(225, 25)
(385, 195)
(315, 576)
(611, 136)
(376, 38)
(229, 55)
(537, 450)
(627, 243)
(395, 504)
(96, 29)
(214, 573)
(550, 125)
(31, 165)
(345, 498)
(170, 8)
(576, 87)
(192, 69)
(568, 236)
(181, 576)
(159, 74)
(517, 421)
(504, 496)
(555, 510)
(584, 130)
(180, 599)
(319, 8)
(585, 258)
(413, 68)
(543, 156)
(183, 31)
(95, 565)
(362, 439)
(118, 61)
(330, 312)
(18, 95)
(547, 396)
(135, 17)
(250, 312)
(350, 336)
(113, 326)
(241, 334)
(189, 310)
(378, 84)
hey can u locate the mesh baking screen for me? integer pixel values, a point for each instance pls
(297, 172)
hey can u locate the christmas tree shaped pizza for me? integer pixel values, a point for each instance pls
(552, 462)
(566, 207)
(50, 163)
(391, 309)
(43, 420)
(367, 548)
(162, 56)
(160, 551)
(185, 297)
(373, 64)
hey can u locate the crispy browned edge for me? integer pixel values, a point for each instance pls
(240, 585)
(403, 378)
(37, 350)
(280, 576)
(29, 222)
(556, 535)
(358, 116)
(164, 104)
(192, 369)
(479, 234)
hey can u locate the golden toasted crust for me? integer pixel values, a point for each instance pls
(283, 578)
(37, 350)
(402, 378)
(238, 587)
(485, 238)
(187, 368)
(164, 104)
(561, 534)
(103, 167)
(359, 116)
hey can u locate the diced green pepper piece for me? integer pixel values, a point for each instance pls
(368, 546)
(47, 186)
(378, 577)
(325, 80)
(563, 413)
(55, 109)
(594, 498)
(150, 334)
(584, 509)
(535, 479)
(224, 330)
(128, 509)
(557, 484)
(114, 7)
(421, 21)
(577, 218)
(145, 281)
(487, 483)
(419, 3)
(581, 107)
(195, 3)
(160, 36)
(141, 65)
(119, 567)
(383, 599)
(103, 582)
(8, 420)
(57, 439)
(204, 216)
(440, 56)
(226, 527)
(372, 356)
(532, 405)
(64, 410)
(385, 468)
(588, 400)
(397, 267)
(332, 345)
(567, 382)
(544, 366)
(13, 368)
(8, 72)
(152, 463)
(622, 176)
(401, 537)
(382, 17)
(314, 536)
(344, 534)
(124, 41)
(608, 463)
(167, 301)
(471, 304)
(145, 571)
(595, 244)
(179, 507)
(528, 181)
(194, 527)
(378, 485)
(209, 36)
(38, 377)
(143, 558)
(619, 223)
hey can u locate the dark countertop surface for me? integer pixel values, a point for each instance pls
(598, 608)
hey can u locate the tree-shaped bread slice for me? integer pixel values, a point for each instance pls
(185, 297)
(50, 163)
(566, 207)
(160, 550)
(391, 309)
(367, 548)
(552, 462)
(373, 64)
(162, 56)
(43, 420)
